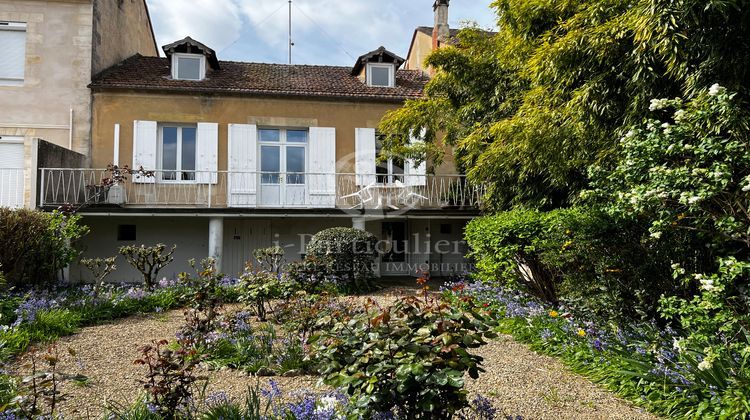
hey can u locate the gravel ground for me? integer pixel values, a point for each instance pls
(518, 381)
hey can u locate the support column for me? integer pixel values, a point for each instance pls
(358, 223)
(216, 240)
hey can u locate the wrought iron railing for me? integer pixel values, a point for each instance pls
(190, 189)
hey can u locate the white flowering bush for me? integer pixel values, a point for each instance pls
(716, 319)
(687, 168)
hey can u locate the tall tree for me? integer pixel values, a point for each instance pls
(530, 108)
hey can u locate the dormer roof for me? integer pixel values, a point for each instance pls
(188, 45)
(381, 55)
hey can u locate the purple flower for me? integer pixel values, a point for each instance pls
(484, 408)
(217, 399)
(546, 334)
(272, 393)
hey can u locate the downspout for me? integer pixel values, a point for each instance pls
(70, 128)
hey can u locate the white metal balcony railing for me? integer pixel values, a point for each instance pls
(186, 189)
(11, 187)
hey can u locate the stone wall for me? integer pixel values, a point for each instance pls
(121, 29)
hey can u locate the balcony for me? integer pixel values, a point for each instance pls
(258, 190)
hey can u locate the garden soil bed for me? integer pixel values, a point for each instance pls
(518, 381)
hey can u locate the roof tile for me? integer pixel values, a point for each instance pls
(259, 79)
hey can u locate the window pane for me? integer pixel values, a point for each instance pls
(189, 68)
(269, 135)
(169, 152)
(380, 76)
(295, 165)
(14, 54)
(296, 136)
(188, 153)
(270, 164)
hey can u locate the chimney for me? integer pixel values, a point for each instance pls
(441, 30)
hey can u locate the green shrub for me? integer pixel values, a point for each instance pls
(579, 255)
(411, 356)
(352, 252)
(36, 246)
(312, 275)
(257, 288)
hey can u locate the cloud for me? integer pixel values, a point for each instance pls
(324, 31)
(216, 23)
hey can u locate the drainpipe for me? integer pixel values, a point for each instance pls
(70, 128)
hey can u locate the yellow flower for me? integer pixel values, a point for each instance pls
(581, 333)
(553, 314)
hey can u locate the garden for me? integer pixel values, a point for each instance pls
(612, 257)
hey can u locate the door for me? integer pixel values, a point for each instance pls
(394, 249)
(283, 167)
(241, 238)
(11, 172)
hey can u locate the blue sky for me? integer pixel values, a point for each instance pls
(331, 32)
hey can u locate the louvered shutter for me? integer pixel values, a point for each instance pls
(242, 165)
(11, 174)
(144, 149)
(322, 180)
(364, 164)
(207, 153)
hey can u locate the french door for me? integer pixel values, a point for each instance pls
(283, 165)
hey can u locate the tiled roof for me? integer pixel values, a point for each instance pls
(259, 79)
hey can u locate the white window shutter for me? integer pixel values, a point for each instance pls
(243, 165)
(364, 164)
(11, 174)
(322, 180)
(416, 176)
(207, 153)
(144, 149)
(12, 65)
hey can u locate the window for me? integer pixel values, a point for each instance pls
(381, 75)
(388, 171)
(283, 148)
(13, 62)
(188, 67)
(177, 152)
(126, 232)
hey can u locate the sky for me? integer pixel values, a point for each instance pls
(332, 32)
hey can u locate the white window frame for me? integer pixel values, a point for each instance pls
(15, 27)
(160, 154)
(391, 74)
(391, 177)
(283, 143)
(176, 66)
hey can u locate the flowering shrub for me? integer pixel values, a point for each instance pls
(410, 357)
(687, 168)
(717, 320)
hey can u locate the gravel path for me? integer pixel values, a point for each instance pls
(518, 381)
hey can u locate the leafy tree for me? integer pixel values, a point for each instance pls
(530, 108)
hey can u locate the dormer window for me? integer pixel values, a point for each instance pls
(188, 66)
(191, 60)
(380, 75)
(378, 68)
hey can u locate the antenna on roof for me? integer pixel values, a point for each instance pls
(291, 43)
